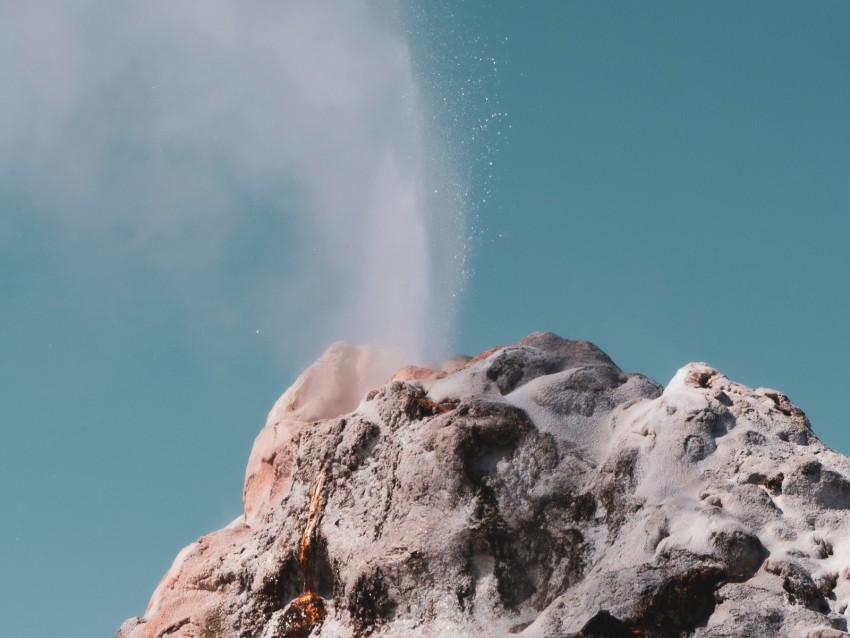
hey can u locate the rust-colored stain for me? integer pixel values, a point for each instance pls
(303, 613)
(420, 408)
(308, 610)
(433, 407)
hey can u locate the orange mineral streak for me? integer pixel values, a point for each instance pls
(305, 550)
(308, 610)
(303, 613)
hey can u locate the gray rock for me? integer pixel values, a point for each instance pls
(536, 491)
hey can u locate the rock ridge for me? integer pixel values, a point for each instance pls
(535, 490)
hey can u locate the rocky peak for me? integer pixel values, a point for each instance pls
(535, 490)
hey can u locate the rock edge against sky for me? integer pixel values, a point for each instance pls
(535, 490)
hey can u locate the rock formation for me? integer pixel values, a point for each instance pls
(535, 491)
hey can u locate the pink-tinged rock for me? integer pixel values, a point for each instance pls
(269, 468)
(188, 597)
(334, 385)
(416, 373)
(408, 373)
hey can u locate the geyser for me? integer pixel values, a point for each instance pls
(536, 490)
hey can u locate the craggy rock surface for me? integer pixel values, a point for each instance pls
(535, 490)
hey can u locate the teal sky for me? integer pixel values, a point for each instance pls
(671, 181)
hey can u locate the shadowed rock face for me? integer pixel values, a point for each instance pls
(535, 490)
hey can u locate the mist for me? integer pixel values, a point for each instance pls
(266, 166)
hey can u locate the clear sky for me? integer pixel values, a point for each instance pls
(195, 202)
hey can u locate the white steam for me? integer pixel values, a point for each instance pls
(274, 148)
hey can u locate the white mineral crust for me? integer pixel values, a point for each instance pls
(536, 491)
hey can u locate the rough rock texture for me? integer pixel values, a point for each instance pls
(535, 490)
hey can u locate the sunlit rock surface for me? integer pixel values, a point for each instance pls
(535, 490)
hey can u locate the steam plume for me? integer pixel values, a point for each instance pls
(216, 142)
